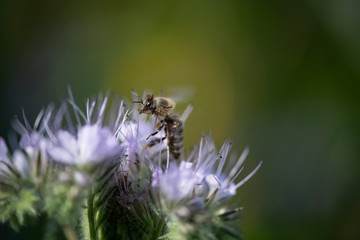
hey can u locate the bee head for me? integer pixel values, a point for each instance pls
(148, 105)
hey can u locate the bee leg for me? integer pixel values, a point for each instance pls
(155, 142)
(156, 132)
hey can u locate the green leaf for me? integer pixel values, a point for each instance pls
(25, 204)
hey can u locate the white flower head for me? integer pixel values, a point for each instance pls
(18, 162)
(133, 136)
(202, 176)
(220, 181)
(92, 144)
(3, 150)
(176, 183)
(21, 163)
(4, 158)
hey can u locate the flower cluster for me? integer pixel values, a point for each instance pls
(100, 157)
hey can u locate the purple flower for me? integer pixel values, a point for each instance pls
(212, 164)
(91, 144)
(176, 183)
(132, 136)
(201, 175)
(3, 150)
(19, 162)
(4, 158)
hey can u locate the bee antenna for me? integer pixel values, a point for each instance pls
(137, 96)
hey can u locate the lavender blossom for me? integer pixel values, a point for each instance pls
(91, 145)
(3, 151)
(201, 175)
(21, 163)
(176, 183)
(14, 166)
(4, 158)
(132, 135)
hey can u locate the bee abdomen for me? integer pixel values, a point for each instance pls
(175, 136)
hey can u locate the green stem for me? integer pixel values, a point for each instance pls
(159, 228)
(69, 232)
(91, 217)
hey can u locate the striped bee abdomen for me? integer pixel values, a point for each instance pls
(174, 134)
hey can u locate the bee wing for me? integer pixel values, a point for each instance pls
(180, 94)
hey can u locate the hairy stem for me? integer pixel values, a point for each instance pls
(91, 216)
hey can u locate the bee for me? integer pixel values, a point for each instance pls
(162, 108)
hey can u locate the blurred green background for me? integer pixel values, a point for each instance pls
(281, 77)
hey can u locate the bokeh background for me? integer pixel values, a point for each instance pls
(281, 77)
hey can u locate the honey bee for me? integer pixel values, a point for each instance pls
(162, 108)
